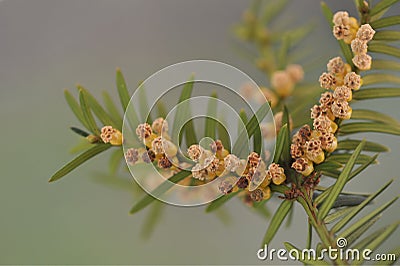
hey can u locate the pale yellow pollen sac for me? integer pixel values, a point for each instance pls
(111, 135)
(362, 61)
(336, 65)
(295, 72)
(327, 81)
(282, 83)
(131, 156)
(160, 125)
(253, 159)
(296, 151)
(194, 152)
(359, 46)
(341, 109)
(268, 95)
(328, 141)
(267, 192)
(322, 123)
(303, 166)
(365, 33)
(231, 162)
(343, 93)
(326, 99)
(352, 81)
(143, 131)
(341, 18)
(276, 173)
(314, 151)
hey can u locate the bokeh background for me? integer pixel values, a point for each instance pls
(46, 46)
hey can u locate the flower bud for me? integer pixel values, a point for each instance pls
(327, 81)
(194, 152)
(341, 109)
(365, 33)
(314, 151)
(282, 83)
(358, 46)
(362, 61)
(303, 166)
(276, 173)
(343, 93)
(111, 135)
(352, 81)
(328, 141)
(159, 125)
(336, 65)
(295, 72)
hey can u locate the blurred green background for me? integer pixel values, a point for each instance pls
(46, 46)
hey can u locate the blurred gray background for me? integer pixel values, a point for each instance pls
(46, 46)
